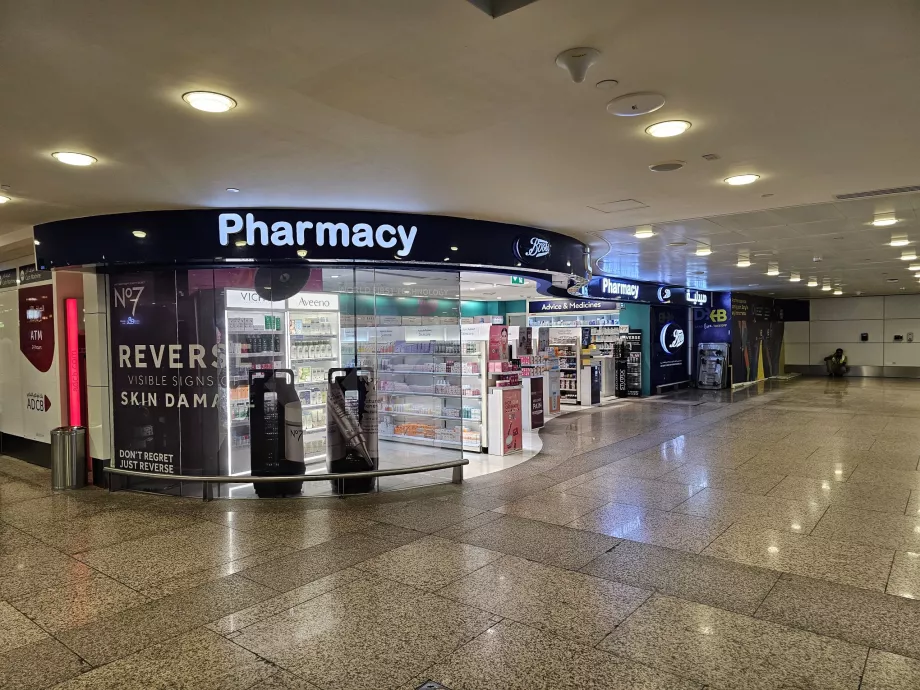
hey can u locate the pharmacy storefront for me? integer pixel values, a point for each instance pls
(264, 342)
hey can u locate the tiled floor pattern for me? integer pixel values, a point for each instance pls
(768, 538)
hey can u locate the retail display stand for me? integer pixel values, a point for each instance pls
(504, 403)
(271, 391)
(351, 436)
(628, 356)
(430, 384)
(566, 343)
(313, 350)
(712, 369)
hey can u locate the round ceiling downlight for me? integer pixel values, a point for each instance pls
(668, 128)
(140, 234)
(209, 101)
(633, 104)
(73, 158)
(666, 166)
(736, 180)
(644, 232)
(4, 199)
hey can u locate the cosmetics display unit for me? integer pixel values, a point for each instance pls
(301, 335)
(429, 382)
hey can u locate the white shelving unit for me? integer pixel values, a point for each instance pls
(441, 408)
(313, 346)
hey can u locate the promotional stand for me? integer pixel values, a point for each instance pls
(270, 391)
(351, 435)
(532, 394)
(712, 369)
(505, 421)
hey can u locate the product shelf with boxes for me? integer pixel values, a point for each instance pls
(429, 383)
(254, 340)
(313, 348)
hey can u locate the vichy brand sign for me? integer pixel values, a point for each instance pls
(282, 233)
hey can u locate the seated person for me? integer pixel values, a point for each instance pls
(836, 363)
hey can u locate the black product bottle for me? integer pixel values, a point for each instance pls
(269, 391)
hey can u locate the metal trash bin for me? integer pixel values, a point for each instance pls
(68, 458)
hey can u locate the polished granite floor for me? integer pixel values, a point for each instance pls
(768, 538)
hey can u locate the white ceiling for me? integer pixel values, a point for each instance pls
(834, 241)
(434, 107)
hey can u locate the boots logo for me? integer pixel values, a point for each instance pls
(532, 249)
(37, 402)
(671, 337)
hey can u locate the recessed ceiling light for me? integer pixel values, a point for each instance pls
(677, 244)
(409, 283)
(736, 180)
(840, 292)
(233, 190)
(909, 255)
(606, 84)
(37, 242)
(139, 233)
(899, 241)
(239, 243)
(772, 269)
(914, 267)
(405, 292)
(703, 250)
(668, 128)
(644, 231)
(446, 258)
(744, 260)
(453, 249)
(825, 288)
(334, 276)
(812, 282)
(4, 199)
(794, 277)
(71, 158)
(884, 219)
(301, 253)
(209, 102)
(753, 284)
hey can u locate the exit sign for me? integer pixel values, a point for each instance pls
(517, 280)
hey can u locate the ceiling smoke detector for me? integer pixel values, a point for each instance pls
(633, 104)
(577, 62)
(666, 166)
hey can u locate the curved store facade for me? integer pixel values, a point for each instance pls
(284, 342)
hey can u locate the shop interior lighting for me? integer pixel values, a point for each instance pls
(773, 269)
(37, 243)
(736, 180)
(406, 283)
(826, 287)
(140, 234)
(644, 232)
(301, 253)
(744, 260)
(794, 277)
(883, 219)
(668, 128)
(812, 282)
(209, 102)
(72, 158)
(239, 243)
(453, 249)
(703, 250)
(909, 255)
(899, 241)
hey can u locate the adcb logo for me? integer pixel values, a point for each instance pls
(37, 402)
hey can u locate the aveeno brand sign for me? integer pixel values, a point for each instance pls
(303, 233)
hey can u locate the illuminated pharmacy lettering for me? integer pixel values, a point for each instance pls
(282, 233)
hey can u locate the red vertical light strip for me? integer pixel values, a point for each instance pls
(73, 362)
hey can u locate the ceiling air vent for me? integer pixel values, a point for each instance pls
(877, 192)
(666, 166)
